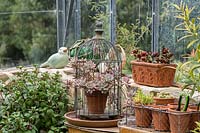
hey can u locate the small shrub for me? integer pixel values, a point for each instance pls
(33, 102)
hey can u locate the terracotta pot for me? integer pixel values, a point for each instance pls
(163, 101)
(143, 116)
(195, 116)
(153, 74)
(179, 121)
(160, 118)
(96, 102)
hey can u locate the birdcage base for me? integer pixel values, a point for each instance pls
(107, 115)
(72, 118)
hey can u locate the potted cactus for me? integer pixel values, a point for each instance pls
(153, 69)
(142, 109)
(179, 117)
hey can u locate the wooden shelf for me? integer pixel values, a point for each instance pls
(125, 129)
(78, 129)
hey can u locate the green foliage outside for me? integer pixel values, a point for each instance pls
(26, 38)
(168, 35)
(33, 102)
(93, 10)
(134, 27)
(131, 37)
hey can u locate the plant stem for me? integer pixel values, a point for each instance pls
(179, 103)
(186, 103)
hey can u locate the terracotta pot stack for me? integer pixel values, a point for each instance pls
(166, 118)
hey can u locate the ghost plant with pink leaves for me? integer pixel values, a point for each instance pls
(91, 79)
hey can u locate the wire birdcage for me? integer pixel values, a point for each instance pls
(98, 78)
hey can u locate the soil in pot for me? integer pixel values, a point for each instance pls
(96, 102)
(179, 121)
(160, 118)
(143, 116)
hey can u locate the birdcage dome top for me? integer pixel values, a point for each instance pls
(98, 48)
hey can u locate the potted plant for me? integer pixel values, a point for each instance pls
(153, 69)
(163, 98)
(142, 112)
(95, 85)
(179, 117)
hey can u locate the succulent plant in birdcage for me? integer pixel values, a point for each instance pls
(97, 82)
(93, 81)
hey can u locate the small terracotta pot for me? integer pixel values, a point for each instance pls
(163, 101)
(96, 102)
(160, 118)
(195, 116)
(179, 121)
(143, 116)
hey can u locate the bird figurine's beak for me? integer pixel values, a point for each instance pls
(65, 50)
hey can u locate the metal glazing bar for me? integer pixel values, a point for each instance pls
(69, 11)
(77, 19)
(61, 24)
(155, 25)
(113, 21)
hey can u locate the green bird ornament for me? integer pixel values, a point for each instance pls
(57, 60)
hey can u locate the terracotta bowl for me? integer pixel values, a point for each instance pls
(72, 119)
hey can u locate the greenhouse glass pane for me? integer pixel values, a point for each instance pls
(70, 31)
(92, 10)
(136, 16)
(168, 36)
(28, 32)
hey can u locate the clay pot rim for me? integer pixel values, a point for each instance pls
(152, 64)
(193, 110)
(158, 98)
(174, 104)
(175, 112)
(142, 106)
(161, 108)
